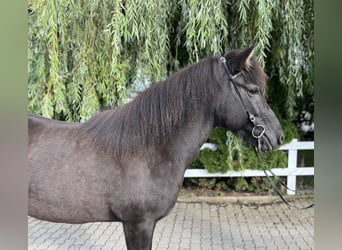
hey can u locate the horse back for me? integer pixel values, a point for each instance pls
(38, 125)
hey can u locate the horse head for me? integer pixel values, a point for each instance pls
(242, 106)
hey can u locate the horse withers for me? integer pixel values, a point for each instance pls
(127, 164)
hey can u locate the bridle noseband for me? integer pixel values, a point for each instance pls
(255, 133)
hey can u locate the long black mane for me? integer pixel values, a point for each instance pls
(155, 116)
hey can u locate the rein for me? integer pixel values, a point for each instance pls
(257, 135)
(275, 188)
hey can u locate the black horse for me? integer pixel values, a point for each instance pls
(127, 164)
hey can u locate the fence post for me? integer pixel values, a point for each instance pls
(292, 165)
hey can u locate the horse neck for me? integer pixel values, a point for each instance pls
(176, 113)
(188, 140)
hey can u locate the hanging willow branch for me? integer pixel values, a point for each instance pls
(204, 25)
(83, 55)
(148, 35)
(291, 59)
(263, 27)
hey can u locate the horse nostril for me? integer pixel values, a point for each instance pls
(281, 139)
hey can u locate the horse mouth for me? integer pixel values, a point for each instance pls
(264, 144)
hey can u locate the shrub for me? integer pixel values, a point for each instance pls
(233, 154)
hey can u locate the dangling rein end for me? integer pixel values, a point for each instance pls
(274, 187)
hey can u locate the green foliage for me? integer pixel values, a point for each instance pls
(290, 130)
(228, 156)
(214, 161)
(233, 154)
(84, 54)
(292, 51)
(204, 24)
(242, 184)
(70, 59)
(252, 184)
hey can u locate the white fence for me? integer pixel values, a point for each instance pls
(292, 171)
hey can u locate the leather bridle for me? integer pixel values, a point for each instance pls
(251, 117)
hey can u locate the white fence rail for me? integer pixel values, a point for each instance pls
(292, 171)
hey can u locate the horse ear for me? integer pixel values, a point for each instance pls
(246, 57)
(240, 59)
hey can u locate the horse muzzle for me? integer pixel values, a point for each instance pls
(265, 142)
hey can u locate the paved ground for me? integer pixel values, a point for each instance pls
(195, 226)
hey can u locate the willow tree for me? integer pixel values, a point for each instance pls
(84, 55)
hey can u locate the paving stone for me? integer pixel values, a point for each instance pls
(193, 226)
(66, 244)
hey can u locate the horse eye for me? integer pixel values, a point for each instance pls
(254, 91)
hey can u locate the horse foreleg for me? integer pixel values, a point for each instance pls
(138, 235)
